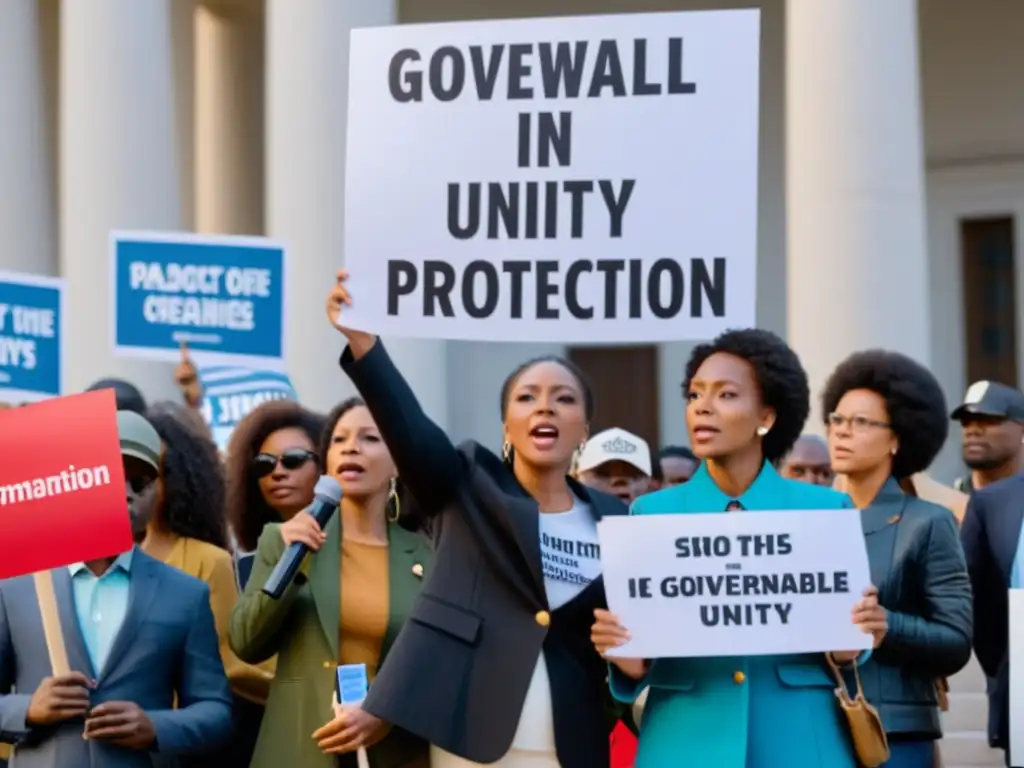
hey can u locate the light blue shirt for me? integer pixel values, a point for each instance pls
(101, 603)
(1016, 577)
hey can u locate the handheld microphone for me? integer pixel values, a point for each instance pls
(326, 498)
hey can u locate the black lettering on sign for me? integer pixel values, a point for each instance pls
(744, 585)
(640, 587)
(546, 209)
(760, 545)
(498, 204)
(563, 70)
(745, 614)
(477, 290)
(703, 546)
(551, 138)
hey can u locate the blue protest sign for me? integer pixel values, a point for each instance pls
(223, 296)
(31, 313)
(230, 394)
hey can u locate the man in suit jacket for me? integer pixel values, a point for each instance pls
(992, 423)
(147, 683)
(993, 538)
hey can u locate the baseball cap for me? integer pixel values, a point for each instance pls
(139, 439)
(990, 398)
(615, 445)
(128, 396)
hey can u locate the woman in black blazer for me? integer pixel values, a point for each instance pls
(887, 420)
(495, 665)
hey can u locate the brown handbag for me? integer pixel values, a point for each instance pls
(866, 731)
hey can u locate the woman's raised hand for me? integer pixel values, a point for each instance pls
(339, 298)
(608, 633)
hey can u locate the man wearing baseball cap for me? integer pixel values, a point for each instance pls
(992, 418)
(146, 683)
(617, 462)
(140, 453)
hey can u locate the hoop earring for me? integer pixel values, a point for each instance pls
(394, 506)
(506, 452)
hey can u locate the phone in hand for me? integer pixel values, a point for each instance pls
(352, 683)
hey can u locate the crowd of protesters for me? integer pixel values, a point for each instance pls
(480, 646)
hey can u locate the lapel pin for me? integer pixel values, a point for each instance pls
(893, 519)
(417, 571)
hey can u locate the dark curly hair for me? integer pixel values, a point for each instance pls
(913, 399)
(193, 481)
(779, 375)
(247, 510)
(327, 435)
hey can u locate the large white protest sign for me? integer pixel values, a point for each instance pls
(741, 584)
(584, 178)
(1017, 677)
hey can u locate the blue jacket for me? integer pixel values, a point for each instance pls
(166, 647)
(739, 712)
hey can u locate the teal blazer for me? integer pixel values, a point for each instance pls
(739, 712)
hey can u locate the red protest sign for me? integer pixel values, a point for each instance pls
(62, 491)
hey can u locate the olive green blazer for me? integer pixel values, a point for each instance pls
(302, 629)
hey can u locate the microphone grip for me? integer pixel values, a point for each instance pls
(287, 567)
(285, 570)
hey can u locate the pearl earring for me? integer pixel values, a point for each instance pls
(762, 431)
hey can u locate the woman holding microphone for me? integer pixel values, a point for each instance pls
(495, 665)
(346, 606)
(747, 401)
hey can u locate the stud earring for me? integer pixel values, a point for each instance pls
(762, 431)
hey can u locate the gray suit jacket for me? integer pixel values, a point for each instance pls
(166, 646)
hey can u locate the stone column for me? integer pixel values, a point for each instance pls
(27, 206)
(307, 88)
(120, 166)
(857, 262)
(229, 121)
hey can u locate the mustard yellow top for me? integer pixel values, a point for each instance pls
(214, 566)
(364, 603)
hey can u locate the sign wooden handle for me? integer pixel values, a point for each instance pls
(51, 623)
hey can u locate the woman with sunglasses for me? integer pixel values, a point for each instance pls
(346, 608)
(270, 470)
(271, 467)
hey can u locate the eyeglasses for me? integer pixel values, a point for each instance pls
(265, 463)
(857, 423)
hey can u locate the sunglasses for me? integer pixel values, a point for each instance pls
(139, 483)
(292, 459)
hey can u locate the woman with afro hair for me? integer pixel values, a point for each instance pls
(886, 418)
(747, 401)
